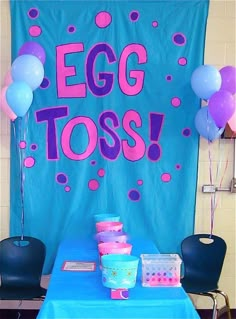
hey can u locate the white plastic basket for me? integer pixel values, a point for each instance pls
(161, 270)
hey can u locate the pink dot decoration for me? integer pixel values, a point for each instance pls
(93, 184)
(101, 172)
(29, 162)
(155, 24)
(182, 61)
(175, 101)
(166, 177)
(67, 188)
(35, 31)
(22, 144)
(140, 182)
(103, 19)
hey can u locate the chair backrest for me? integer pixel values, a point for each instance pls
(21, 261)
(203, 257)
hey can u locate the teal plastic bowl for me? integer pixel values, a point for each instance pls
(119, 271)
(106, 217)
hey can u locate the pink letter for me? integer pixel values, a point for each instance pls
(66, 137)
(136, 152)
(63, 72)
(137, 75)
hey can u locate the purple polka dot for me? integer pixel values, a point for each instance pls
(34, 147)
(178, 166)
(134, 195)
(33, 13)
(186, 132)
(61, 178)
(93, 162)
(134, 16)
(71, 29)
(35, 31)
(103, 19)
(45, 83)
(169, 77)
(179, 39)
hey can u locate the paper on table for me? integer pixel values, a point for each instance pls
(79, 266)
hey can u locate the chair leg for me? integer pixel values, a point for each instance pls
(214, 310)
(222, 293)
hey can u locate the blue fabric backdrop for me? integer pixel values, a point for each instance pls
(111, 128)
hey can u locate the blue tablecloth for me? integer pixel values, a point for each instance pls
(81, 295)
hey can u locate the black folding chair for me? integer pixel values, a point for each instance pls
(203, 257)
(21, 264)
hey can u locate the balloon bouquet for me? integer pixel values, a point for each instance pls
(26, 75)
(217, 89)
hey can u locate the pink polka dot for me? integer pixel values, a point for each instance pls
(29, 162)
(22, 144)
(101, 172)
(140, 182)
(93, 184)
(35, 31)
(166, 177)
(67, 188)
(175, 101)
(182, 61)
(103, 19)
(155, 24)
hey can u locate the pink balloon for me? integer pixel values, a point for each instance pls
(232, 120)
(8, 78)
(221, 107)
(228, 76)
(4, 105)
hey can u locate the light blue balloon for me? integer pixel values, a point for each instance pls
(29, 69)
(205, 125)
(19, 97)
(205, 81)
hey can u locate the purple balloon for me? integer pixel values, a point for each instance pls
(221, 107)
(33, 48)
(228, 76)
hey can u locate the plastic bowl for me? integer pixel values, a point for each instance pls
(106, 217)
(114, 248)
(109, 226)
(114, 236)
(119, 270)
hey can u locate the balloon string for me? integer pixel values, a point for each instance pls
(212, 194)
(214, 199)
(22, 179)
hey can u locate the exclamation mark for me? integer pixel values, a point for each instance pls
(156, 122)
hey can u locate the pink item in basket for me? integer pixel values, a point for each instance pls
(109, 226)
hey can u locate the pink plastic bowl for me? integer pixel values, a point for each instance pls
(109, 226)
(114, 248)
